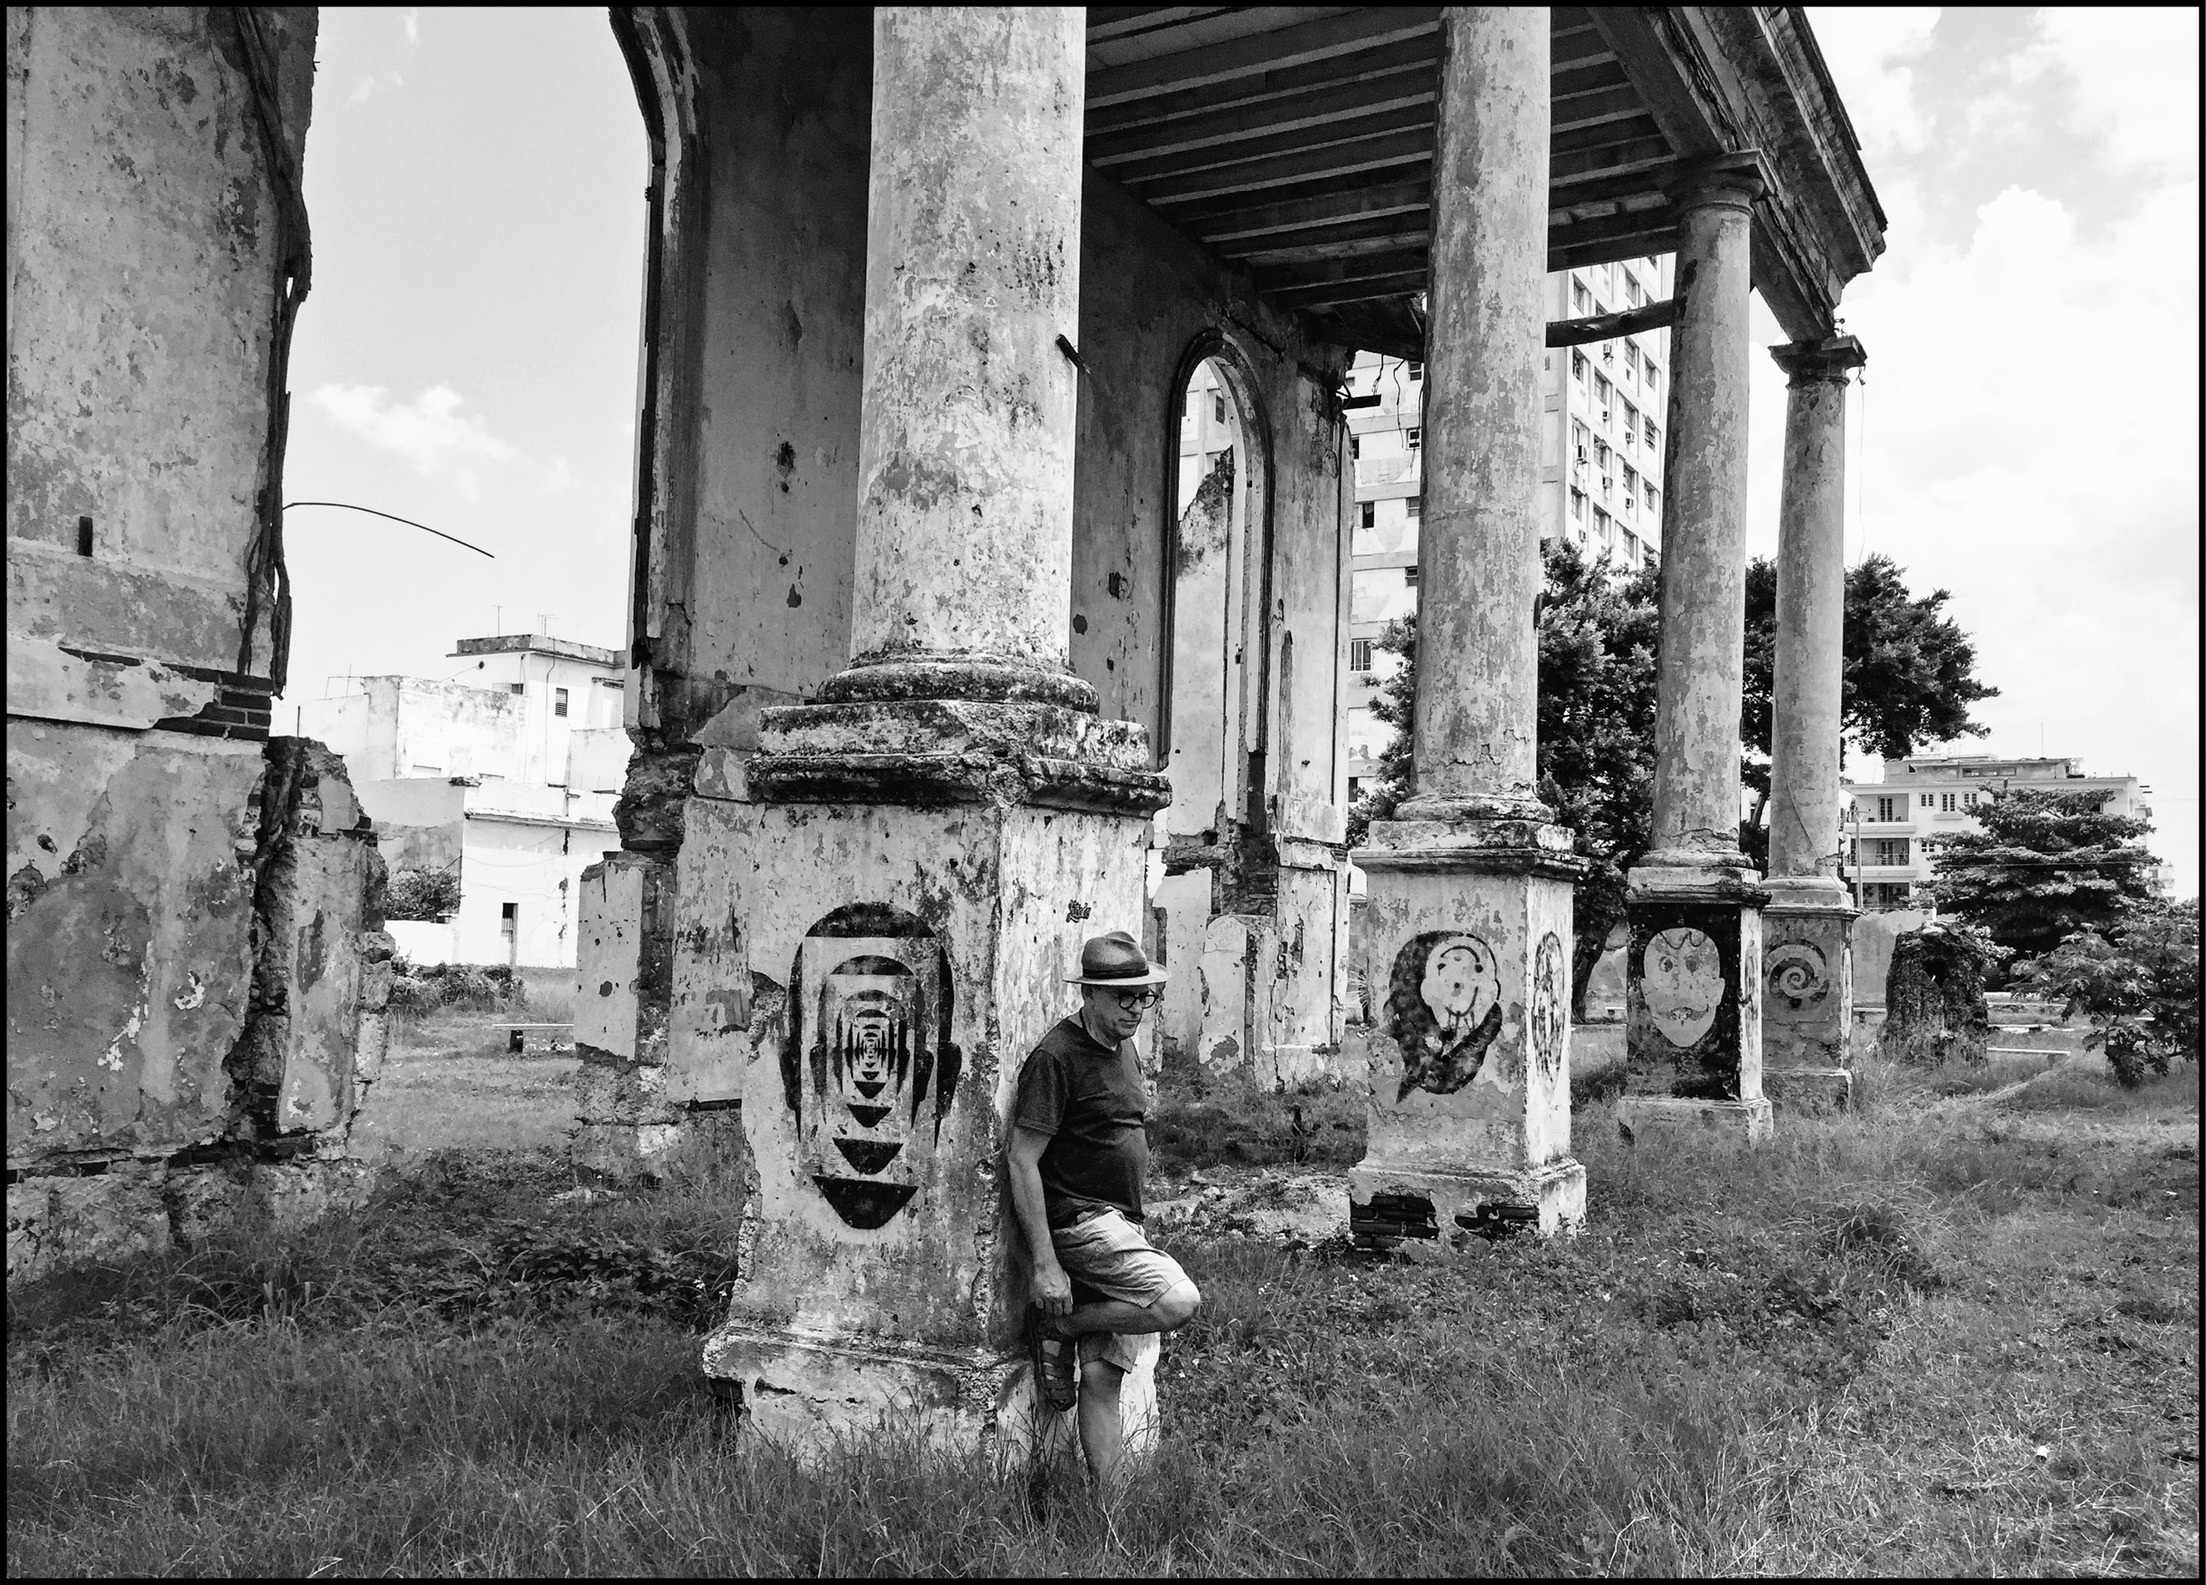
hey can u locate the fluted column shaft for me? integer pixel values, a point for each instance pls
(1700, 670)
(966, 427)
(1811, 615)
(1478, 666)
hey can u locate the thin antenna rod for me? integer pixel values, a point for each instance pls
(409, 522)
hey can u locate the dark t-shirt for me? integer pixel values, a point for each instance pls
(1091, 1101)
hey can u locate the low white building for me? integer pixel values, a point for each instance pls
(503, 774)
(1885, 824)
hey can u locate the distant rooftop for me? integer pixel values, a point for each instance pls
(541, 644)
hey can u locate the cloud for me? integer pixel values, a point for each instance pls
(410, 20)
(430, 431)
(1864, 46)
(368, 87)
(2135, 73)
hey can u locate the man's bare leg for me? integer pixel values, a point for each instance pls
(1102, 1435)
(1167, 1312)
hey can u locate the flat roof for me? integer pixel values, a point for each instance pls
(540, 644)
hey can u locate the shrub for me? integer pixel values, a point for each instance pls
(421, 894)
(2138, 984)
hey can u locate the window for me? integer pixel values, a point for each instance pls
(1652, 504)
(517, 687)
(1581, 304)
(1888, 850)
(1632, 290)
(1652, 377)
(1409, 576)
(1968, 800)
(1601, 390)
(1217, 407)
(1892, 808)
(1578, 505)
(559, 701)
(1359, 654)
(1414, 505)
(509, 918)
(1929, 800)
(1946, 803)
(1415, 437)
(1601, 454)
(1355, 447)
(1416, 371)
(1579, 440)
(1631, 482)
(1631, 357)
(1654, 435)
(1601, 525)
(1365, 512)
(1578, 366)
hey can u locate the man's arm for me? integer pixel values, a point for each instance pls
(1052, 1288)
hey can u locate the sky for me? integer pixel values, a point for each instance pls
(2025, 434)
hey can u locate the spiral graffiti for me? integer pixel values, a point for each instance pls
(1798, 978)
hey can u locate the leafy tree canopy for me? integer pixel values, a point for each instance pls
(2045, 865)
(1910, 670)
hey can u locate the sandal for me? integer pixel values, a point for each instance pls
(1056, 1363)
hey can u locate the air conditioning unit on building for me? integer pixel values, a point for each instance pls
(1581, 454)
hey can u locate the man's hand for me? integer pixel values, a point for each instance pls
(1052, 1290)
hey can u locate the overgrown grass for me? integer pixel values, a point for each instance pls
(1938, 1336)
(1207, 1120)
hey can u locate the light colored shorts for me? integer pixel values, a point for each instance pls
(1107, 1251)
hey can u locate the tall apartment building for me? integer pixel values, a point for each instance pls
(1601, 477)
(1883, 825)
(504, 773)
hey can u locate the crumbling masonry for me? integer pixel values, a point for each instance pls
(921, 650)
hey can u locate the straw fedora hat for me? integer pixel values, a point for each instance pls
(1115, 960)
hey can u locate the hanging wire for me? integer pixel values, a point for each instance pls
(409, 522)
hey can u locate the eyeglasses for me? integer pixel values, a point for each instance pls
(1137, 1000)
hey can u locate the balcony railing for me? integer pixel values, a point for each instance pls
(1386, 470)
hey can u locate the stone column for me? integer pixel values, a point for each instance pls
(1469, 919)
(919, 853)
(1694, 1025)
(1807, 953)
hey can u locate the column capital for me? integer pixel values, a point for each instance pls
(1827, 361)
(1734, 180)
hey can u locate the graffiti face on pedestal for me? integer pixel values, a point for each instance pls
(1550, 1005)
(868, 1051)
(1444, 1010)
(1799, 979)
(1681, 978)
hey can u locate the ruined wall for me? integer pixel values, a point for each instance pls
(191, 907)
(1150, 301)
(752, 489)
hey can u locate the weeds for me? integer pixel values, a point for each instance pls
(1935, 1336)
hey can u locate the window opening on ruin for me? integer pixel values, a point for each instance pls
(1414, 505)
(1416, 370)
(84, 536)
(1367, 512)
(1216, 716)
(517, 687)
(1355, 447)
(1415, 438)
(1409, 576)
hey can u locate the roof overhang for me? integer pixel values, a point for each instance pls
(1296, 142)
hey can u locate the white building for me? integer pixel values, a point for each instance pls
(1885, 824)
(1602, 481)
(507, 771)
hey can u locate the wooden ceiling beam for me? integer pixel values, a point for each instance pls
(1412, 55)
(1336, 198)
(1341, 107)
(1115, 22)
(1603, 135)
(1256, 53)
(1642, 154)
(1391, 237)
(1345, 157)
(1330, 296)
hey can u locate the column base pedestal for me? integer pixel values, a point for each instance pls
(1433, 1214)
(1643, 1117)
(1812, 1092)
(816, 1396)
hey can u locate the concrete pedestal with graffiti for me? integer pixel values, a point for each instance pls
(887, 967)
(1693, 1014)
(1807, 998)
(1468, 944)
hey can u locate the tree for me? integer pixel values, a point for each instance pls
(2046, 865)
(1910, 670)
(2138, 985)
(1597, 635)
